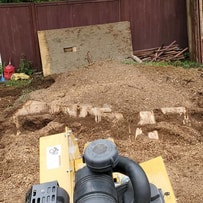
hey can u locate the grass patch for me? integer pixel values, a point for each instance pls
(184, 64)
(17, 83)
(187, 64)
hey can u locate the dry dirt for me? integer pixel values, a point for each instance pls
(128, 89)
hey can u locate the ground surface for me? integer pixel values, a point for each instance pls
(128, 89)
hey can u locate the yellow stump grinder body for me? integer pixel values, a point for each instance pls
(100, 175)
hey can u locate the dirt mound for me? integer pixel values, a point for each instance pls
(125, 87)
(128, 89)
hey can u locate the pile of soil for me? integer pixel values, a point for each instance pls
(127, 89)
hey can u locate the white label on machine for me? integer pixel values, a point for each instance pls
(54, 157)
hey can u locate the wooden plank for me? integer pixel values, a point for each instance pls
(44, 52)
(178, 54)
(194, 29)
(163, 53)
(67, 49)
(163, 50)
(189, 24)
(201, 27)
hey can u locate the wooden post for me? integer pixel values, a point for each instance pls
(194, 22)
(201, 27)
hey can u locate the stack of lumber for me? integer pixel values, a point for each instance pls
(172, 52)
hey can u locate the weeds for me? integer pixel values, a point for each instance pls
(187, 64)
(2, 66)
(25, 66)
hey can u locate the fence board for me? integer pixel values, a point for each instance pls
(63, 15)
(17, 33)
(152, 22)
(156, 22)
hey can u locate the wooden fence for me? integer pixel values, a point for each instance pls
(153, 23)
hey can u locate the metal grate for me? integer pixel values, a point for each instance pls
(43, 193)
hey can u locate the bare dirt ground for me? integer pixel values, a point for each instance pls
(128, 89)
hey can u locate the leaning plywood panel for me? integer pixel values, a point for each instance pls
(67, 49)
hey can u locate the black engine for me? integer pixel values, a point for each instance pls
(94, 183)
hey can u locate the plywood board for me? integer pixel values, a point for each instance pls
(67, 49)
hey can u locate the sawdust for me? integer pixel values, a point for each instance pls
(128, 89)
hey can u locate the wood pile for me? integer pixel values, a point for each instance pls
(172, 52)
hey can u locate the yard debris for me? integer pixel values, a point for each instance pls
(172, 52)
(20, 76)
(135, 58)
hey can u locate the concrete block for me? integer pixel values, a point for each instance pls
(178, 110)
(146, 117)
(153, 135)
(138, 132)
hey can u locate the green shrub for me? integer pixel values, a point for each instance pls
(25, 66)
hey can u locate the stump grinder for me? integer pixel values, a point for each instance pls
(98, 175)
